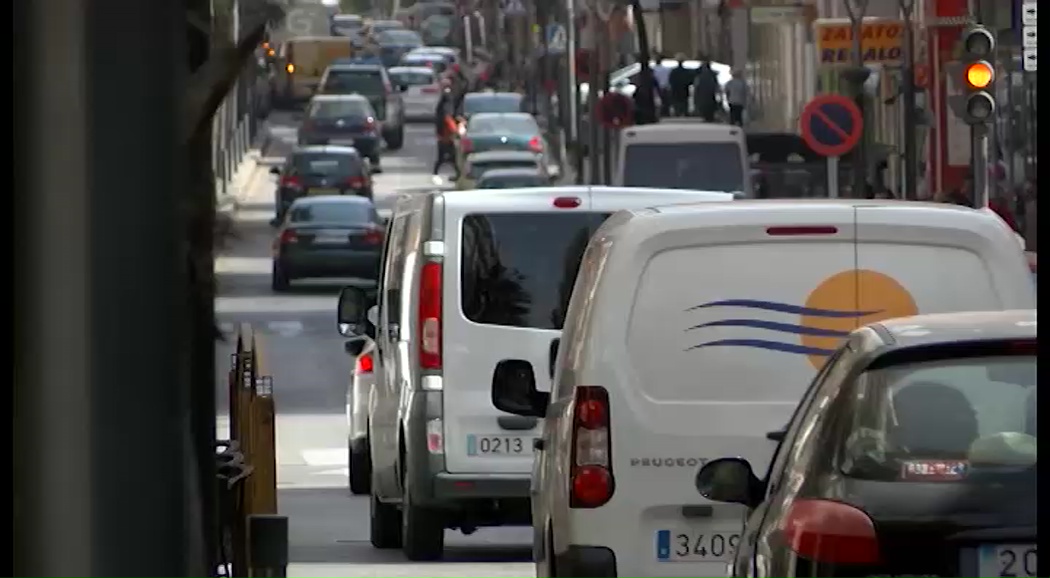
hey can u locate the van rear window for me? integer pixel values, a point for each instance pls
(518, 269)
(704, 166)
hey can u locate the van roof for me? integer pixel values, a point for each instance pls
(968, 326)
(596, 190)
(695, 127)
(818, 204)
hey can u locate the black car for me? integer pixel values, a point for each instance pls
(913, 453)
(372, 82)
(328, 236)
(393, 44)
(345, 120)
(321, 170)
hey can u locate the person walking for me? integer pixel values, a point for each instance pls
(445, 127)
(662, 77)
(679, 80)
(737, 95)
(706, 91)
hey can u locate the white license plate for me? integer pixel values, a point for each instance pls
(331, 239)
(324, 191)
(346, 142)
(695, 546)
(498, 445)
(1001, 560)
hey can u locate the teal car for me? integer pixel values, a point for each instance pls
(503, 131)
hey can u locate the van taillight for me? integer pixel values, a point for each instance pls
(364, 364)
(592, 482)
(830, 532)
(430, 316)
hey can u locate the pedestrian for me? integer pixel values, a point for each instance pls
(662, 77)
(737, 95)
(679, 80)
(445, 127)
(706, 92)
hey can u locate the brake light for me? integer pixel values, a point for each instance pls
(790, 231)
(535, 145)
(567, 202)
(374, 237)
(291, 181)
(288, 237)
(592, 479)
(370, 123)
(466, 144)
(831, 533)
(357, 182)
(430, 316)
(364, 364)
(430, 90)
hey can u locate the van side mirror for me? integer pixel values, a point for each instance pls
(352, 312)
(554, 354)
(729, 480)
(514, 389)
(355, 345)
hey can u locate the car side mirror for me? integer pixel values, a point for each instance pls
(729, 480)
(402, 88)
(514, 389)
(352, 312)
(373, 316)
(355, 345)
(275, 171)
(554, 354)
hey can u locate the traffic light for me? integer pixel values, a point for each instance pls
(975, 73)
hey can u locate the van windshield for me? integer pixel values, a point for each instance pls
(518, 269)
(704, 166)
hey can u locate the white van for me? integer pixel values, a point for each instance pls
(468, 281)
(684, 154)
(692, 333)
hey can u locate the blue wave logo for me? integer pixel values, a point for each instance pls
(803, 331)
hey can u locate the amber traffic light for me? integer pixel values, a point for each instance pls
(975, 74)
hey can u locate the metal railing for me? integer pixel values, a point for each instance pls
(238, 126)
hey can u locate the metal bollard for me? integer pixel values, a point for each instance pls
(267, 545)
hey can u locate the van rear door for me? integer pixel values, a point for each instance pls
(512, 261)
(978, 264)
(731, 319)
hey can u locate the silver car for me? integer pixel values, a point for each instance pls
(422, 90)
(358, 395)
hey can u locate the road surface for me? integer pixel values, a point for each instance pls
(328, 526)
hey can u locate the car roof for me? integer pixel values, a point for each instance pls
(487, 115)
(328, 199)
(348, 18)
(420, 69)
(329, 149)
(387, 22)
(423, 56)
(338, 97)
(955, 327)
(513, 172)
(356, 66)
(493, 94)
(443, 49)
(500, 156)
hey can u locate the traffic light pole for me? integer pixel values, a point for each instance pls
(982, 183)
(856, 76)
(911, 164)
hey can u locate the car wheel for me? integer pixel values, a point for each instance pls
(384, 529)
(360, 470)
(279, 280)
(422, 531)
(397, 139)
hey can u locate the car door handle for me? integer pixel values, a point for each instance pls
(538, 444)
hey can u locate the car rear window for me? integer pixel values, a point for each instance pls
(399, 37)
(326, 164)
(413, 78)
(710, 166)
(487, 103)
(477, 169)
(365, 82)
(942, 420)
(357, 108)
(518, 269)
(334, 212)
(514, 182)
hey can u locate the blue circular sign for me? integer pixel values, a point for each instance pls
(831, 125)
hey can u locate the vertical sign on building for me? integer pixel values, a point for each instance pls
(1029, 35)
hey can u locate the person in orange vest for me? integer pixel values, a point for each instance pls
(446, 129)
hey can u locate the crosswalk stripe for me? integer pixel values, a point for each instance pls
(326, 457)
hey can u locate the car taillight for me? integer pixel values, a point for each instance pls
(291, 181)
(831, 533)
(288, 237)
(374, 237)
(430, 316)
(592, 482)
(430, 90)
(357, 182)
(466, 145)
(535, 145)
(364, 364)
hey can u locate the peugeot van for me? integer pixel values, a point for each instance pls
(692, 333)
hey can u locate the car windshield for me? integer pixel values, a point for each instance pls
(333, 212)
(943, 420)
(326, 164)
(512, 182)
(332, 109)
(704, 166)
(518, 269)
(399, 37)
(477, 169)
(412, 77)
(502, 125)
(350, 81)
(491, 103)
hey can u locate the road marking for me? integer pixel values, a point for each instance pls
(333, 457)
(286, 328)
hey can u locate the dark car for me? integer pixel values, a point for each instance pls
(476, 102)
(913, 453)
(372, 82)
(393, 44)
(321, 170)
(328, 236)
(342, 119)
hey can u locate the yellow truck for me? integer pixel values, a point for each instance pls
(303, 61)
